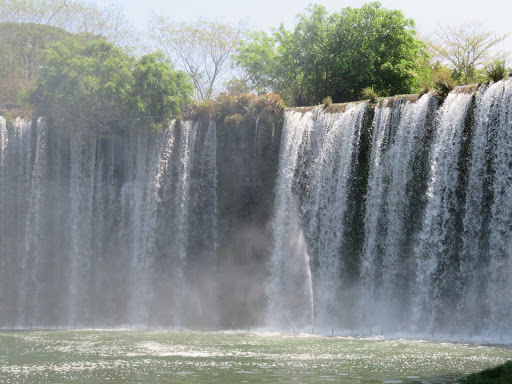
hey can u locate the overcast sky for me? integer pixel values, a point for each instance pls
(265, 14)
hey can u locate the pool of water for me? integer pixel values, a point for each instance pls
(135, 356)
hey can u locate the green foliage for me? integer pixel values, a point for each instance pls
(76, 82)
(496, 70)
(20, 55)
(337, 54)
(501, 374)
(236, 119)
(258, 55)
(160, 92)
(428, 66)
(443, 84)
(378, 50)
(369, 94)
(199, 109)
(98, 85)
(235, 108)
(28, 27)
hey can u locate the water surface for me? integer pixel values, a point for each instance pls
(126, 356)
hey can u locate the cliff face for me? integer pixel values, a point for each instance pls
(247, 163)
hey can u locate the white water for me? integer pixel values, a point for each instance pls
(488, 219)
(316, 154)
(86, 221)
(394, 217)
(435, 253)
(289, 266)
(399, 133)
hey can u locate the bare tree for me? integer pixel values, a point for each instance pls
(465, 47)
(74, 16)
(202, 48)
(108, 21)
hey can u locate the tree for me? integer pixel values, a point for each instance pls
(290, 63)
(430, 73)
(372, 47)
(99, 86)
(74, 16)
(160, 92)
(27, 27)
(466, 48)
(334, 55)
(203, 49)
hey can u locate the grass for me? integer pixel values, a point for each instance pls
(327, 101)
(246, 105)
(369, 94)
(502, 374)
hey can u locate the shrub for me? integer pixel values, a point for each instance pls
(248, 105)
(199, 109)
(327, 101)
(370, 94)
(496, 70)
(235, 119)
(443, 84)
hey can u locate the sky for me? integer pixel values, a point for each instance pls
(266, 14)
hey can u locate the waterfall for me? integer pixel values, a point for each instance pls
(30, 284)
(400, 134)
(438, 250)
(287, 231)
(95, 227)
(315, 165)
(405, 211)
(488, 213)
(3, 139)
(393, 215)
(3, 261)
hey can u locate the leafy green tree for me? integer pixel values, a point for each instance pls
(335, 55)
(84, 84)
(496, 70)
(99, 86)
(160, 92)
(290, 63)
(259, 57)
(372, 47)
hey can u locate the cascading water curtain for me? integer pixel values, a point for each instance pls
(96, 229)
(433, 182)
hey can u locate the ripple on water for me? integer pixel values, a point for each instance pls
(157, 357)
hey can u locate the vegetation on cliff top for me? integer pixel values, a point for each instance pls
(337, 55)
(237, 108)
(77, 62)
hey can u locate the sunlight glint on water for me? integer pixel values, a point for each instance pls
(226, 357)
